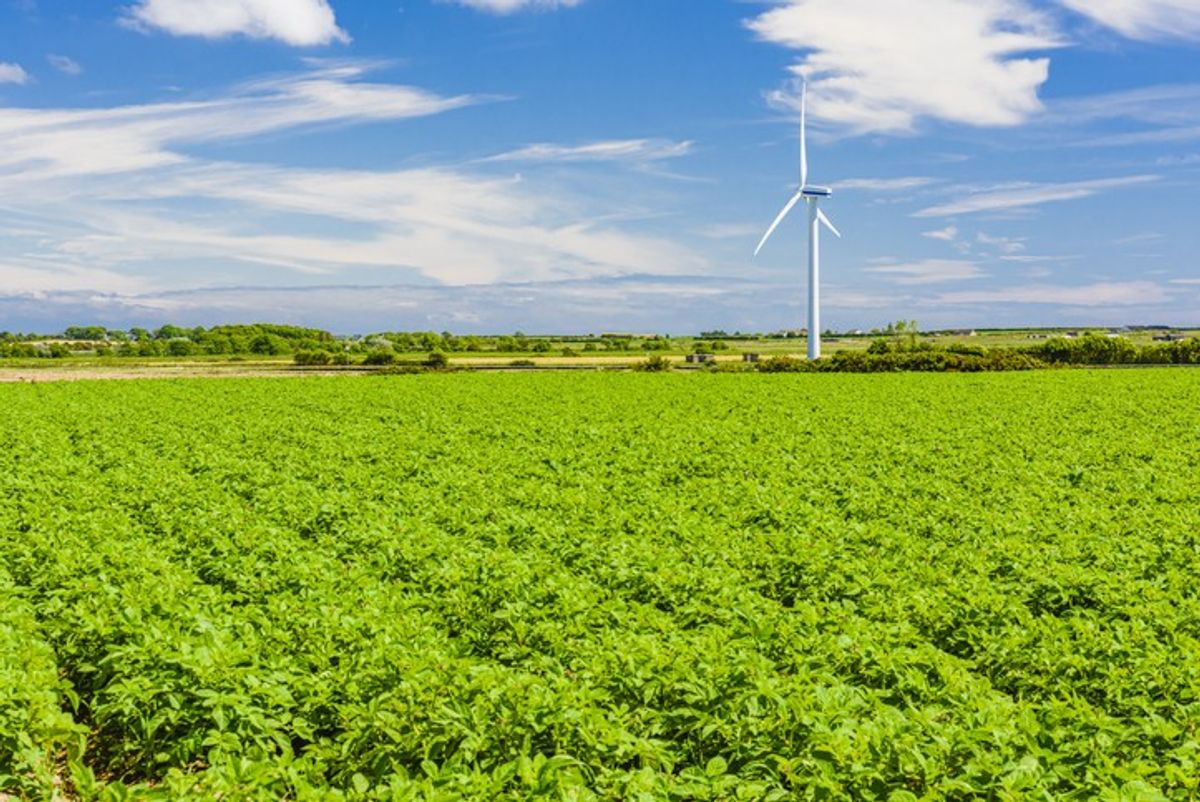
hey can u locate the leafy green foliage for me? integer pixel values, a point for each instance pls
(602, 586)
(919, 360)
(313, 358)
(1097, 349)
(655, 363)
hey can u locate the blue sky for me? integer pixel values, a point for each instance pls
(587, 165)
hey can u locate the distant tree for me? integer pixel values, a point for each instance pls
(181, 347)
(89, 333)
(268, 345)
(170, 332)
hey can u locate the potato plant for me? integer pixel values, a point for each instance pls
(602, 587)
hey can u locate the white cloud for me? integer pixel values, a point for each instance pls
(1018, 196)
(879, 65)
(930, 271)
(885, 184)
(1113, 293)
(65, 64)
(635, 150)
(1143, 19)
(1178, 161)
(295, 22)
(13, 74)
(45, 143)
(115, 189)
(947, 234)
(510, 6)
(732, 231)
(1008, 245)
(1147, 236)
(1109, 293)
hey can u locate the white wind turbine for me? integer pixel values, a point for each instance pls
(816, 218)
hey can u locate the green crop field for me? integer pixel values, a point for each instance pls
(602, 586)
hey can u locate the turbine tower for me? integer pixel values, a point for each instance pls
(812, 196)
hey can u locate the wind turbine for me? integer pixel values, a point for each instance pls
(812, 196)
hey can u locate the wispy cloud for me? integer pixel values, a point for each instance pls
(510, 6)
(1143, 19)
(64, 64)
(1149, 236)
(632, 150)
(947, 234)
(116, 189)
(1007, 245)
(44, 143)
(930, 271)
(885, 184)
(1178, 161)
(881, 65)
(732, 231)
(13, 74)
(296, 22)
(1102, 294)
(1019, 196)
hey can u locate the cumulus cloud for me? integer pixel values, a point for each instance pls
(1143, 19)
(510, 6)
(300, 23)
(880, 65)
(13, 74)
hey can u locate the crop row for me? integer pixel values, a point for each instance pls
(609, 586)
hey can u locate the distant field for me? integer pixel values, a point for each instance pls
(602, 586)
(82, 362)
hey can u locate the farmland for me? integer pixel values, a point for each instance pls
(602, 586)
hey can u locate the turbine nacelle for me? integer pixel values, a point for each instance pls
(816, 192)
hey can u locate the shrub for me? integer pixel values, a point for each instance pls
(1090, 349)
(380, 358)
(654, 364)
(920, 361)
(437, 361)
(785, 364)
(312, 358)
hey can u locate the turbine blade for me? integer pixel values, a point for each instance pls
(804, 136)
(821, 216)
(786, 209)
